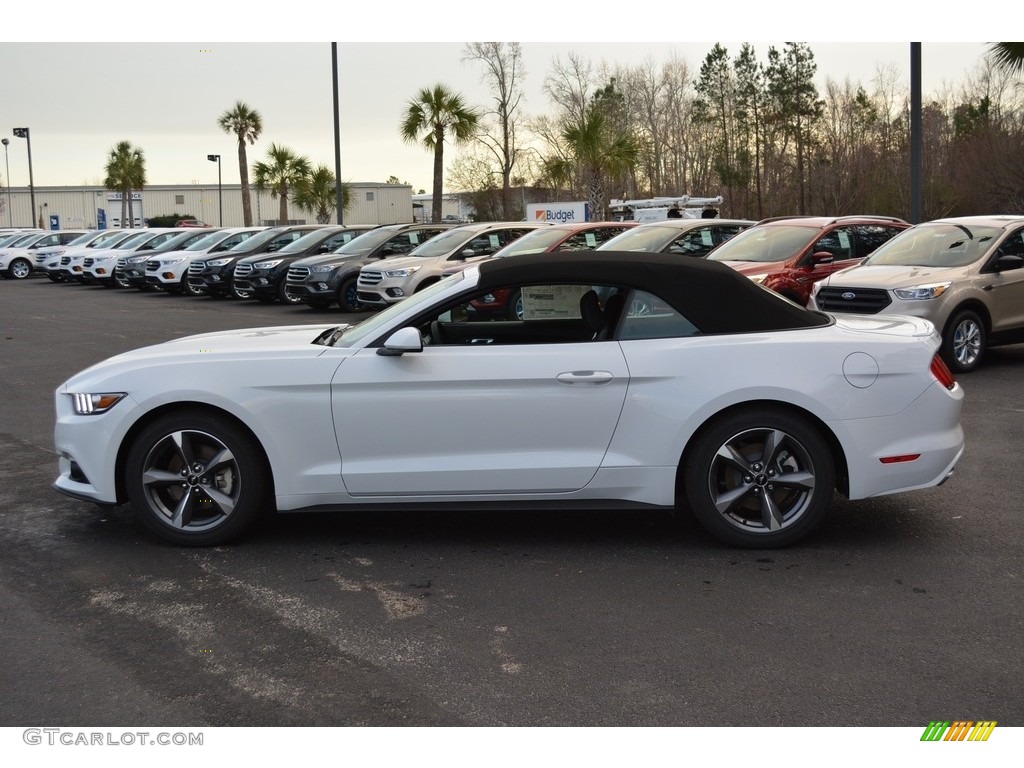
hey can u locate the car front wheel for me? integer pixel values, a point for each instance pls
(759, 478)
(348, 296)
(196, 479)
(19, 269)
(964, 342)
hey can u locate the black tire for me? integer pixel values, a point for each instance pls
(348, 295)
(747, 499)
(122, 281)
(515, 306)
(190, 290)
(223, 468)
(55, 277)
(264, 298)
(19, 269)
(238, 293)
(282, 294)
(963, 343)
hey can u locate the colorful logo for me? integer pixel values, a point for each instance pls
(958, 730)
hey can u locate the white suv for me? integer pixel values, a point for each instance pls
(391, 280)
(964, 274)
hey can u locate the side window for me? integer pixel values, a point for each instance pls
(871, 236)
(528, 314)
(1011, 246)
(694, 242)
(648, 317)
(838, 242)
(581, 241)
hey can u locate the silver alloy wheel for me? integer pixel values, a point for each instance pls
(761, 480)
(20, 269)
(191, 480)
(967, 341)
(238, 293)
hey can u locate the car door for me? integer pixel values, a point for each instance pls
(1006, 288)
(511, 408)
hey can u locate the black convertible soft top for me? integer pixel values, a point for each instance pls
(712, 296)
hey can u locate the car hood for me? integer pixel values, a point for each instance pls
(893, 276)
(279, 342)
(401, 262)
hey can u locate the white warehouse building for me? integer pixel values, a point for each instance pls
(99, 208)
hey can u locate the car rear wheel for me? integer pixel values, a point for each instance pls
(196, 479)
(759, 478)
(19, 269)
(964, 342)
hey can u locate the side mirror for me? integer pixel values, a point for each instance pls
(401, 341)
(821, 257)
(1009, 261)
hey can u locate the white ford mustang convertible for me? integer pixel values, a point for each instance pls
(630, 380)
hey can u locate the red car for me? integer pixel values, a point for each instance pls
(584, 236)
(790, 254)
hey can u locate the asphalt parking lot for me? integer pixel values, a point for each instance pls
(898, 611)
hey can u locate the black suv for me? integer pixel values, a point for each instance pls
(214, 277)
(322, 280)
(263, 276)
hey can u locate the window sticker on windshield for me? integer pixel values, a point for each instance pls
(705, 237)
(844, 239)
(591, 240)
(547, 302)
(414, 238)
(494, 240)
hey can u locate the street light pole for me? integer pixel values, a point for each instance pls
(23, 133)
(220, 189)
(7, 162)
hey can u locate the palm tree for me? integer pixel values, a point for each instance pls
(284, 173)
(434, 115)
(126, 171)
(247, 125)
(1008, 57)
(318, 194)
(593, 152)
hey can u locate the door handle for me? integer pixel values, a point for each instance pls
(585, 377)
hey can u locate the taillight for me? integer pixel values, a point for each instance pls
(941, 372)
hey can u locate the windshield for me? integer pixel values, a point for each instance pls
(110, 239)
(83, 239)
(538, 241)
(257, 240)
(444, 243)
(22, 240)
(207, 241)
(307, 241)
(367, 242)
(649, 238)
(373, 325)
(935, 245)
(134, 242)
(765, 244)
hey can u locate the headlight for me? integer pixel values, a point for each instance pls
(165, 262)
(400, 272)
(758, 278)
(322, 268)
(89, 404)
(267, 264)
(932, 291)
(217, 262)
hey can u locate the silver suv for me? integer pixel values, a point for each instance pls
(964, 274)
(391, 280)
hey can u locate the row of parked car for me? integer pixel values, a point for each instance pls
(961, 274)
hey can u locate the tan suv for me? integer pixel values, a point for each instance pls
(391, 280)
(964, 274)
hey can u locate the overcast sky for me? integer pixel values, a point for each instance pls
(80, 98)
